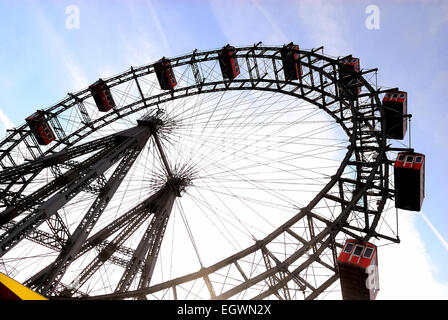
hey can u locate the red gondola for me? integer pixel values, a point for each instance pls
(291, 62)
(165, 74)
(409, 180)
(40, 128)
(348, 77)
(358, 270)
(395, 105)
(228, 62)
(102, 96)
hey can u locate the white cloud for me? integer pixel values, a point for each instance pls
(59, 49)
(439, 18)
(247, 23)
(277, 30)
(325, 23)
(435, 231)
(406, 270)
(6, 123)
(143, 45)
(159, 27)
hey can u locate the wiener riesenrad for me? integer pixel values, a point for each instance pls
(257, 172)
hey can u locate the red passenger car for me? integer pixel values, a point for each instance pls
(358, 270)
(40, 128)
(409, 180)
(350, 64)
(291, 62)
(395, 105)
(228, 62)
(348, 78)
(165, 74)
(102, 96)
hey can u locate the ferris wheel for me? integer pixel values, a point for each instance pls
(234, 173)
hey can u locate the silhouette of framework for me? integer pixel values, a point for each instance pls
(75, 165)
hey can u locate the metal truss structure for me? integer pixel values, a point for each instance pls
(39, 185)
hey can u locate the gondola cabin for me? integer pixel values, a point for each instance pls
(395, 106)
(409, 181)
(350, 65)
(291, 62)
(228, 62)
(348, 78)
(165, 74)
(40, 128)
(358, 270)
(102, 96)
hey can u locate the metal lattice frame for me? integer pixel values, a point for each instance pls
(360, 118)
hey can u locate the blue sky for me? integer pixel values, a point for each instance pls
(41, 60)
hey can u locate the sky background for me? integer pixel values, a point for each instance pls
(42, 59)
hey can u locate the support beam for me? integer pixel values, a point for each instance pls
(150, 243)
(273, 279)
(37, 197)
(50, 207)
(106, 254)
(136, 214)
(40, 163)
(196, 72)
(85, 118)
(133, 220)
(154, 246)
(312, 258)
(59, 229)
(162, 155)
(70, 251)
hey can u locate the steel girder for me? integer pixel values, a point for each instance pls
(75, 242)
(73, 183)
